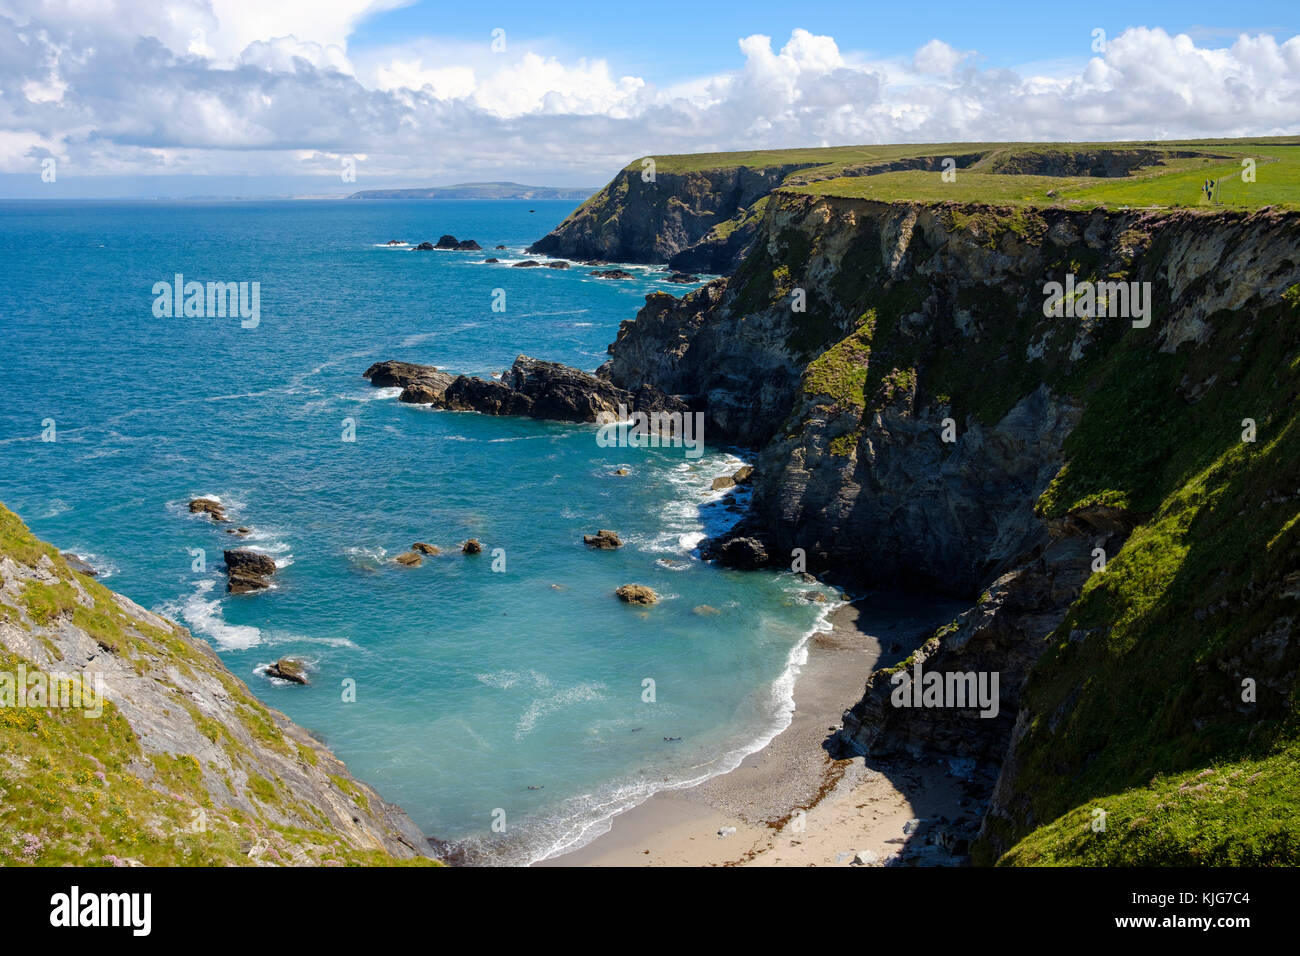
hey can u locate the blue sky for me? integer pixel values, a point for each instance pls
(252, 97)
(673, 41)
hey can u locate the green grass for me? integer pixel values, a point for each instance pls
(72, 788)
(1138, 695)
(1174, 182)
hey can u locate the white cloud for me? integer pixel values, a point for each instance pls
(237, 86)
(939, 59)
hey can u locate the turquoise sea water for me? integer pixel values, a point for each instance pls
(473, 685)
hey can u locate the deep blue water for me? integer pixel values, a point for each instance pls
(472, 685)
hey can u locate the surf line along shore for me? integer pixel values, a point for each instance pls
(800, 801)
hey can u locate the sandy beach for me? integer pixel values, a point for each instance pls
(799, 801)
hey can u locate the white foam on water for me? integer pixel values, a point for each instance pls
(57, 507)
(543, 706)
(104, 568)
(202, 614)
(367, 558)
(374, 394)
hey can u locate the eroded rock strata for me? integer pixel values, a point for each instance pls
(1085, 480)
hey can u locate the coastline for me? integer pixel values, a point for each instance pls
(798, 801)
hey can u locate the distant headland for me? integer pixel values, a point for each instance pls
(501, 190)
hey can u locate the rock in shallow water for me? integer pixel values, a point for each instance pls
(603, 540)
(248, 570)
(78, 564)
(208, 506)
(637, 594)
(287, 668)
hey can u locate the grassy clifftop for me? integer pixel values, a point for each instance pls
(1151, 173)
(699, 212)
(180, 766)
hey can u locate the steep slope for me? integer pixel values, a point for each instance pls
(637, 219)
(181, 765)
(923, 322)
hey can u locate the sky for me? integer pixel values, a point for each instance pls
(178, 98)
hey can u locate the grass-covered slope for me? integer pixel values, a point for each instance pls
(182, 767)
(1168, 698)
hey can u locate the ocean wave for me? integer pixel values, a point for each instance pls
(505, 679)
(544, 706)
(418, 337)
(373, 395)
(56, 507)
(202, 614)
(104, 568)
(582, 819)
(366, 559)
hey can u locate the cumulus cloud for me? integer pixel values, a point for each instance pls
(939, 59)
(235, 86)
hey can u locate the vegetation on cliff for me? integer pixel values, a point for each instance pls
(1168, 694)
(183, 766)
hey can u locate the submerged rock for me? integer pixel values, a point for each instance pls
(248, 570)
(526, 264)
(603, 540)
(637, 594)
(611, 274)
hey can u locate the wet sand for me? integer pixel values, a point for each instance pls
(799, 801)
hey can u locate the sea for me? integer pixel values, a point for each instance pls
(507, 701)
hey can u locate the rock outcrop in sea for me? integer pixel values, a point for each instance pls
(530, 387)
(248, 570)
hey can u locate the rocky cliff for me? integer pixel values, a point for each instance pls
(1115, 489)
(143, 749)
(696, 221)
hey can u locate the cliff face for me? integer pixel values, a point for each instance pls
(670, 219)
(181, 765)
(922, 422)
